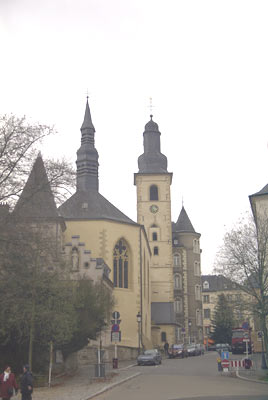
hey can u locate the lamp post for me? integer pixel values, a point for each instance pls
(189, 324)
(263, 360)
(139, 331)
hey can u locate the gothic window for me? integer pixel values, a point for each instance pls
(153, 192)
(120, 264)
(177, 281)
(177, 260)
(156, 251)
(154, 235)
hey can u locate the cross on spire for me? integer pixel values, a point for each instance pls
(151, 106)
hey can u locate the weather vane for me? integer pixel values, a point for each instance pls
(87, 93)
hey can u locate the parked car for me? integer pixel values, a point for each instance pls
(222, 347)
(200, 349)
(150, 357)
(192, 350)
(177, 351)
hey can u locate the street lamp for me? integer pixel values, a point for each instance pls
(263, 360)
(139, 330)
(189, 324)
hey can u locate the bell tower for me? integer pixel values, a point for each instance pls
(154, 212)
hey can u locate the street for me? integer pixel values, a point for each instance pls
(193, 377)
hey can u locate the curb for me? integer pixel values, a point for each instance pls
(108, 387)
(251, 380)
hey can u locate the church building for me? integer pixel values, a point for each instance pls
(152, 264)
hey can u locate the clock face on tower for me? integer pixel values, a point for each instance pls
(154, 208)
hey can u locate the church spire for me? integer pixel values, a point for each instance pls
(87, 156)
(152, 160)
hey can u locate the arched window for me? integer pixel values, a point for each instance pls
(177, 281)
(153, 192)
(156, 251)
(178, 305)
(120, 264)
(177, 260)
(154, 235)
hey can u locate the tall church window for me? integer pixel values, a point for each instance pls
(153, 192)
(121, 264)
(156, 251)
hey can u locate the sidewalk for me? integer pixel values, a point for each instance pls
(82, 386)
(255, 374)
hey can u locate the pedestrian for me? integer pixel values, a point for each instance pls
(26, 383)
(8, 384)
(166, 347)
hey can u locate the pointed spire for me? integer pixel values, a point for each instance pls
(87, 156)
(183, 223)
(37, 200)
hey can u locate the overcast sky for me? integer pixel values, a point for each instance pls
(205, 65)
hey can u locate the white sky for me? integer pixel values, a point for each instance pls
(204, 63)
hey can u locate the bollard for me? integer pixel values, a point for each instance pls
(115, 363)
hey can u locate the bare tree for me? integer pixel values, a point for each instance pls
(19, 144)
(243, 258)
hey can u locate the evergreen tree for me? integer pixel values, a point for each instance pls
(223, 321)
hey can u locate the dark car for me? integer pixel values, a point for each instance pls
(177, 351)
(192, 350)
(150, 357)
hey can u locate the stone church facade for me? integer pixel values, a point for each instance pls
(153, 265)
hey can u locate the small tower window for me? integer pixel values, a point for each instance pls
(156, 251)
(153, 192)
(154, 235)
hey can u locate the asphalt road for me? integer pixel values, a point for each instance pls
(194, 378)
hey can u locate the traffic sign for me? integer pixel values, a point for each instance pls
(245, 340)
(225, 355)
(115, 328)
(116, 314)
(225, 363)
(116, 336)
(113, 321)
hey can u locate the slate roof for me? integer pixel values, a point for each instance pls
(37, 200)
(91, 205)
(264, 190)
(162, 313)
(217, 283)
(183, 223)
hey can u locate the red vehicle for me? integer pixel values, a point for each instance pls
(240, 340)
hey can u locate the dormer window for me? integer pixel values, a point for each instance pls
(205, 285)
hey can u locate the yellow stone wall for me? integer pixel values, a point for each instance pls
(161, 269)
(100, 237)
